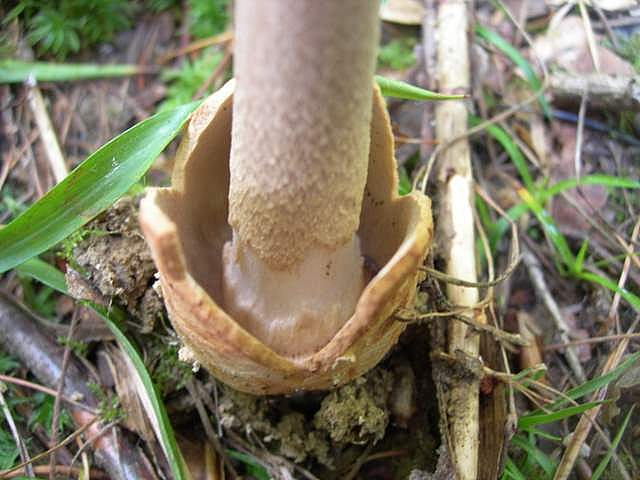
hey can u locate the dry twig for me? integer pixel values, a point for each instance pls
(56, 403)
(23, 337)
(537, 278)
(47, 134)
(456, 227)
(24, 454)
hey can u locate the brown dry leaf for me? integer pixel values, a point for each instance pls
(405, 12)
(566, 46)
(534, 9)
(136, 418)
(530, 355)
(591, 198)
(201, 459)
(540, 142)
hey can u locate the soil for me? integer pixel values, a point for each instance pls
(114, 262)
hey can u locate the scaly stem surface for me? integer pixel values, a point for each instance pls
(299, 156)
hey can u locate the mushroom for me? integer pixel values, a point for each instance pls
(282, 245)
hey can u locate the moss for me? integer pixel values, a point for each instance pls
(398, 54)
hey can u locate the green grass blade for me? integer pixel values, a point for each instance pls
(44, 273)
(16, 71)
(582, 253)
(533, 419)
(546, 220)
(399, 89)
(515, 212)
(543, 434)
(165, 433)
(404, 183)
(535, 453)
(511, 471)
(510, 147)
(594, 179)
(166, 437)
(253, 468)
(514, 55)
(597, 473)
(633, 299)
(596, 383)
(94, 185)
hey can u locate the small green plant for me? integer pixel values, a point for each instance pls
(398, 54)
(108, 405)
(78, 347)
(9, 204)
(207, 17)
(43, 414)
(526, 459)
(8, 364)
(168, 372)
(41, 299)
(62, 27)
(185, 82)
(630, 50)
(8, 450)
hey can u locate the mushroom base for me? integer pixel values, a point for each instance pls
(187, 227)
(295, 311)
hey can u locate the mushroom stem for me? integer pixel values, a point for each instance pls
(298, 166)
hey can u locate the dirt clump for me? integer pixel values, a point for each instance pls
(354, 414)
(357, 412)
(110, 259)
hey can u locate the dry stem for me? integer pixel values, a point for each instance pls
(540, 285)
(456, 228)
(21, 336)
(47, 134)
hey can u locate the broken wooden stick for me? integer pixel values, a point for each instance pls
(23, 337)
(607, 92)
(455, 230)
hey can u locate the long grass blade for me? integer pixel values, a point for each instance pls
(533, 419)
(49, 275)
(94, 185)
(44, 273)
(161, 423)
(514, 55)
(596, 383)
(535, 453)
(399, 89)
(511, 148)
(16, 71)
(597, 473)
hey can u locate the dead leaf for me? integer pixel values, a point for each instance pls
(530, 355)
(589, 198)
(201, 458)
(566, 46)
(405, 12)
(136, 419)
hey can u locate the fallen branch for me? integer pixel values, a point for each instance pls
(605, 91)
(456, 231)
(22, 336)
